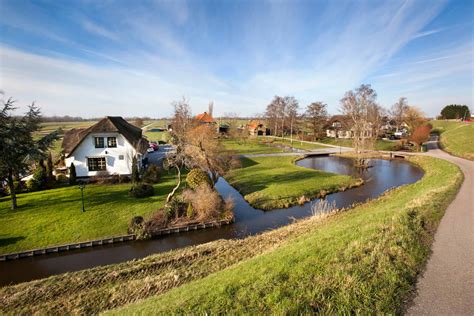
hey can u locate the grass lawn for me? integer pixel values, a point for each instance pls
(53, 217)
(457, 137)
(249, 146)
(275, 182)
(379, 145)
(364, 261)
(297, 144)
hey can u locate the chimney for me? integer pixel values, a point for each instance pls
(211, 107)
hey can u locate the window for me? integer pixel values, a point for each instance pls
(96, 164)
(99, 142)
(111, 142)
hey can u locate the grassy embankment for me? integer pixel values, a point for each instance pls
(276, 182)
(364, 260)
(379, 145)
(55, 216)
(457, 138)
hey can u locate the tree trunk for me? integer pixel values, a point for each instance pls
(291, 132)
(170, 196)
(11, 186)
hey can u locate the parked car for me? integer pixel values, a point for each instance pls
(152, 147)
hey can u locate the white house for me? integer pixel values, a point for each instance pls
(106, 147)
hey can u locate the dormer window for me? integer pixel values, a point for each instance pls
(111, 142)
(99, 142)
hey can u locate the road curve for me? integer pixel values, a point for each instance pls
(447, 285)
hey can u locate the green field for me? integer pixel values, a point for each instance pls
(457, 137)
(53, 217)
(275, 182)
(361, 261)
(250, 146)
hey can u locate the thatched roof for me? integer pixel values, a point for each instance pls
(109, 124)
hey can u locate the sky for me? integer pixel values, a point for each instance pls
(134, 58)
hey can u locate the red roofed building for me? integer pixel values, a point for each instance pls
(205, 118)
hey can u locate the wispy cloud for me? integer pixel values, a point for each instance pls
(238, 54)
(98, 30)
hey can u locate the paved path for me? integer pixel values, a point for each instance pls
(321, 151)
(447, 285)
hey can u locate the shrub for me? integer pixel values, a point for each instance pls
(20, 187)
(158, 221)
(151, 175)
(62, 178)
(32, 185)
(72, 174)
(205, 201)
(141, 190)
(124, 179)
(196, 178)
(40, 180)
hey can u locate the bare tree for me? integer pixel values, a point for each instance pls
(204, 151)
(292, 107)
(180, 124)
(316, 115)
(272, 115)
(358, 105)
(414, 117)
(398, 111)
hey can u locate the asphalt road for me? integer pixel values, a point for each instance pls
(447, 285)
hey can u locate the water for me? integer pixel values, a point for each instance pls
(382, 176)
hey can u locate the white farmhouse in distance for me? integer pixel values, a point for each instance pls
(106, 147)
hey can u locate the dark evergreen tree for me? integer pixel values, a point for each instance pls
(18, 148)
(135, 172)
(72, 175)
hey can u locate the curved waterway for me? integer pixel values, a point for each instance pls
(384, 174)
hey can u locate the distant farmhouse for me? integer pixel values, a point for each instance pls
(108, 146)
(258, 128)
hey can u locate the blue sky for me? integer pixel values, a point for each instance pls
(133, 58)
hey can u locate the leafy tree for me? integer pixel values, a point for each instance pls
(72, 174)
(315, 116)
(18, 149)
(455, 111)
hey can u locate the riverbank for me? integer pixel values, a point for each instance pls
(276, 182)
(362, 260)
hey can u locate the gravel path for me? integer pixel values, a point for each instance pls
(447, 285)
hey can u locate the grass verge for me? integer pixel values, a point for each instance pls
(250, 146)
(364, 260)
(379, 145)
(276, 182)
(457, 138)
(55, 216)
